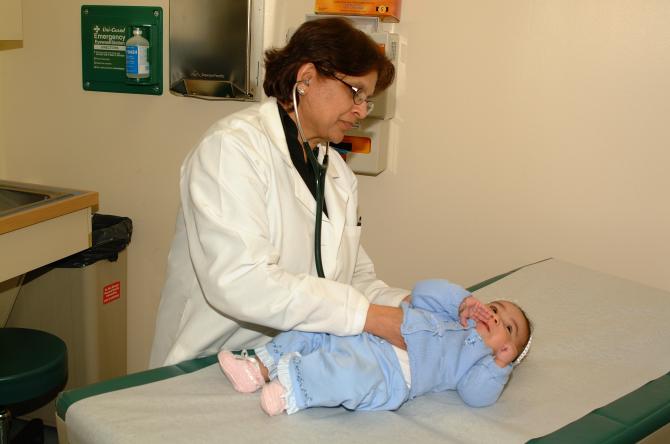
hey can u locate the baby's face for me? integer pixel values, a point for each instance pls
(506, 332)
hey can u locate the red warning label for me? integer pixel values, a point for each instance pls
(111, 292)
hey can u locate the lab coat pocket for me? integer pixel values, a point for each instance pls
(348, 253)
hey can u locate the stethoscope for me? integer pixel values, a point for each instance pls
(320, 178)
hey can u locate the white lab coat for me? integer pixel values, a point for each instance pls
(241, 265)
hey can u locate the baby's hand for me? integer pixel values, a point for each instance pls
(473, 308)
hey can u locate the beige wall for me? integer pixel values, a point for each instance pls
(527, 129)
(3, 106)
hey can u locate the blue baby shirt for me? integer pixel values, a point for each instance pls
(444, 355)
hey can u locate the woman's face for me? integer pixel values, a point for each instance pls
(327, 109)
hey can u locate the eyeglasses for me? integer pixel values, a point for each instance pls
(359, 96)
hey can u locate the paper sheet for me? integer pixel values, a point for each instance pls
(597, 338)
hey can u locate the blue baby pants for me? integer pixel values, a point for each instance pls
(357, 372)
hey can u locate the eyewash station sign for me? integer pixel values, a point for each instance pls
(109, 47)
(122, 49)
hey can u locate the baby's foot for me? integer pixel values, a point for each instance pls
(242, 371)
(272, 398)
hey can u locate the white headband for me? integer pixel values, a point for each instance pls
(523, 354)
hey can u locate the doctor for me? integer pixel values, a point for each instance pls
(242, 263)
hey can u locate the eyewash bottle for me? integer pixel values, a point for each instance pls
(137, 60)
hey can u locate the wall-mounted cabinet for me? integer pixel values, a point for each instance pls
(216, 48)
(11, 27)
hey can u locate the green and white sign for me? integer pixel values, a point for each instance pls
(105, 29)
(109, 46)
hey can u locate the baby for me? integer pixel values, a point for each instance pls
(454, 342)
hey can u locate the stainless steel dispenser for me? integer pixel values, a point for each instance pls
(216, 48)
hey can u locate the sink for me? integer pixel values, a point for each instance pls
(17, 197)
(40, 224)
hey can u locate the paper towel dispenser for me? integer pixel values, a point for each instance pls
(216, 48)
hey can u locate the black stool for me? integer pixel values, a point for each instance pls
(33, 365)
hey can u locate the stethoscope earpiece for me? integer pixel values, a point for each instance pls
(301, 91)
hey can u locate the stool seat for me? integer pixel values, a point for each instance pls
(32, 364)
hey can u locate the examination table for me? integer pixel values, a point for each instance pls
(597, 372)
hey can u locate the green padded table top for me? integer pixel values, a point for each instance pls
(627, 419)
(33, 363)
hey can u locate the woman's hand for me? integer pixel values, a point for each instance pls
(473, 308)
(385, 322)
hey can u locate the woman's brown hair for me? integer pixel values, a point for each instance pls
(333, 45)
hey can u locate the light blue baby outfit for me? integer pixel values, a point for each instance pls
(362, 372)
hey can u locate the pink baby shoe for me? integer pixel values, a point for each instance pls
(272, 398)
(242, 371)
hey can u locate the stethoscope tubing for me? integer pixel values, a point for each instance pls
(320, 178)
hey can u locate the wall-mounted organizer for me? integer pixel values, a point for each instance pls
(216, 49)
(122, 49)
(365, 147)
(385, 102)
